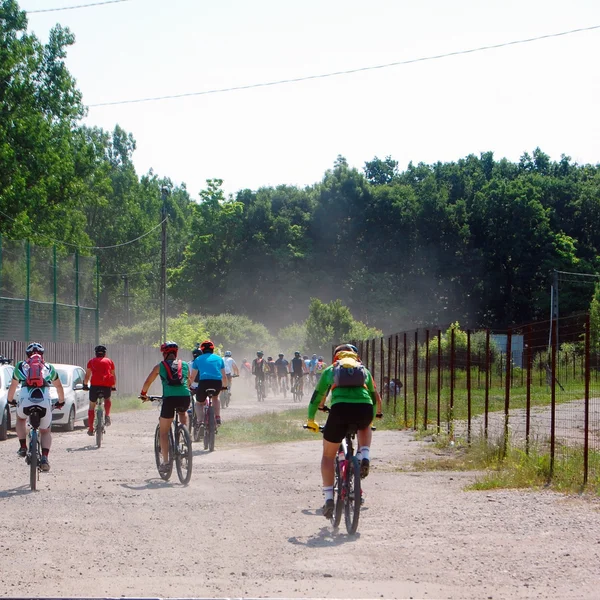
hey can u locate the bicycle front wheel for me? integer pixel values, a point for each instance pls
(183, 454)
(33, 460)
(337, 495)
(99, 426)
(166, 473)
(352, 495)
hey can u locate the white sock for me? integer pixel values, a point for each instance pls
(364, 451)
(328, 492)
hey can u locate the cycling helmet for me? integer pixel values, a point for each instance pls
(296, 353)
(100, 350)
(260, 353)
(320, 358)
(346, 348)
(34, 348)
(314, 356)
(207, 346)
(196, 352)
(305, 357)
(169, 348)
(228, 353)
(269, 358)
(281, 355)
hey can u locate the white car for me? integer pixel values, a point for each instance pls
(8, 414)
(76, 399)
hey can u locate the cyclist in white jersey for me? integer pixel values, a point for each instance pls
(231, 368)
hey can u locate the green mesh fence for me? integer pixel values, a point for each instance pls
(47, 295)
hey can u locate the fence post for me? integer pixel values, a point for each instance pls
(389, 368)
(54, 297)
(507, 390)
(366, 349)
(395, 373)
(553, 398)
(416, 379)
(451, 415)
(586, 426)
(425, 412)
(28, 291)
(439, 380)
(528, 399)
(77, 313)
(488, 374)
(468, 386)
(98, 301)
(405, 383)
(373, 359)
(382, 368)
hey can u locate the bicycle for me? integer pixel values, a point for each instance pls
(226, 394)
(33, 458)
(261, 393)
(347, 491)
(99, 420)
(283, 385)
(297, 391)
(180, 448)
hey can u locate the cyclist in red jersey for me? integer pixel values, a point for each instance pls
(101, 375)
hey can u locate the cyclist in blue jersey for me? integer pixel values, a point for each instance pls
(210, 369)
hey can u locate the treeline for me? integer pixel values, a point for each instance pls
(473, 241)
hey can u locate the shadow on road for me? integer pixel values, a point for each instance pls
(151, 484)
(82, 449)
(18, 491)
(326, 538)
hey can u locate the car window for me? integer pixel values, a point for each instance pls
(78, 375)
(7, 371)
(63, 376)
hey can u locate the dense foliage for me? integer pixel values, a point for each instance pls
(473, 240)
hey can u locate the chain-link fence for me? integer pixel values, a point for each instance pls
(536, 387)
(47, 295)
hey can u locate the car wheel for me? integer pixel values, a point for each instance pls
(70, 426)
(4, 425)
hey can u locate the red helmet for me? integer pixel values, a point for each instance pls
(168, 348)
(207, 346)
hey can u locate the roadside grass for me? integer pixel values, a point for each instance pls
(125, 403)
(268, 428)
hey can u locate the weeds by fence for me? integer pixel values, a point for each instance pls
(534, 387)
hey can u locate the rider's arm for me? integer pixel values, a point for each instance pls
(236, 371)
(224, 381)
(57, 383)
(113, 372)
(88, 376)
(375, 397)
(153, 375)
(192, 376)
(319, 396)
(12, 389)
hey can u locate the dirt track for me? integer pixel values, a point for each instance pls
(248, 525)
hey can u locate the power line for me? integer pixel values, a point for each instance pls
(349, 71)
(91, 247)
(44, 10)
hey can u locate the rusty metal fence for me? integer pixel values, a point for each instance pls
(133, 363)
(535, 387)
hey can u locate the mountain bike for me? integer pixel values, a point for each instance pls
(261, 392)
(196, 426)
(296, 388)
(283, 385)
(226, 394)
(347, 491)
(99, 419)
(34, 447)
(180, 448)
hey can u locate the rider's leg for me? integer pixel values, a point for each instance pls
(364, 444)
(46, 440)
(217, 407)
(91, 413)
(165, 425)
(183, 417)
(328, 467)
(21, 429)
(199, 410)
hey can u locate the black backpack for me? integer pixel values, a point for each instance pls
(174, 372)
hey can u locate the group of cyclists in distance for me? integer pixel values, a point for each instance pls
(354, 398)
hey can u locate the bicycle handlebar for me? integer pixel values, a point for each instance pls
(150, 398)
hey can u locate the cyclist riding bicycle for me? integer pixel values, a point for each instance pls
(281, 368)
(354, 401)
(231, 368)
(174, 376)
(271, 374)
(319, 368)
(210, 368)
(35, 377)
(100, 373)
(297, 369)
(258, 369)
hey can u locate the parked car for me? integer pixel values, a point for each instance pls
(76, 399)
(8, 414)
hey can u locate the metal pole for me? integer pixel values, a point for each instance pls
(439, 379)
(416, 379)
(97, 300)
(528, 407)
(425, 412)
(395, 374)
(488, 367)
(586, 426)
(27, 292)
(468, 386)
(553, 403)
(163, 267)
(405, 382)
(77, 313)
(451, 416)
(54, 297)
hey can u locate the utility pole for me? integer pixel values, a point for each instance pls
(126, 296)
(163, 267)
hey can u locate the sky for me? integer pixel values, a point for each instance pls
(508, 100)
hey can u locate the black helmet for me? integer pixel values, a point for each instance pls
(196, 352)
(346, 348)
(259, 353)
(281, 355)
(100, 349)
(34, 348)
(296, 353)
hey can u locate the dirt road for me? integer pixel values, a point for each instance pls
(102, 523)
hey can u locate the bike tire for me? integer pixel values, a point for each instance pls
(352, 495)
(212, 425)
(33, 460)
(183, 454)
(99, 426)
(158, 457)
(337, 496)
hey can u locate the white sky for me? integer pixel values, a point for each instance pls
(507, 100)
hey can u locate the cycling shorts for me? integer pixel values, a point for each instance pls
(97, 389)
(170, 404)
(342, 415)
(207, 384)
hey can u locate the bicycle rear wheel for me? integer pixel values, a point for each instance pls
(33, 460)
(99, 426)
(352, 495)
(211, 428)
(183, 454)
(337, 495)
(158, 456)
